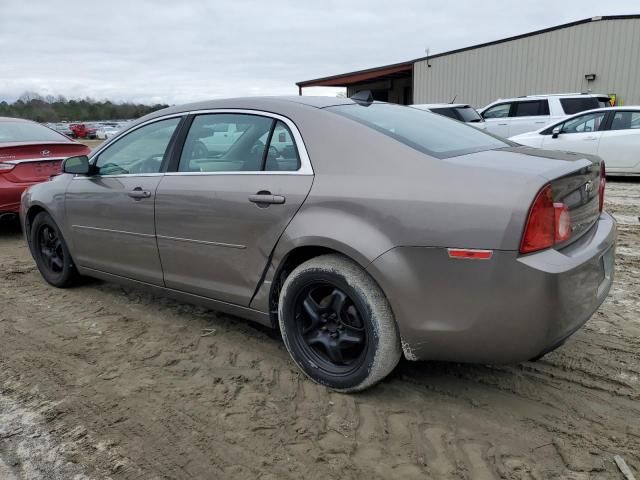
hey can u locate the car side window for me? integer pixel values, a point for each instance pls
(584, 123)
(625, 121)
(531, 108)
(225, 142)
(139, 152)
(282, 155)
(497, 111)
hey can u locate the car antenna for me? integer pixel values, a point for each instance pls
(453, 99)
(363, 96)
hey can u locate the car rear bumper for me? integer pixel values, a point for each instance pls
(10, 195)
(507, 309)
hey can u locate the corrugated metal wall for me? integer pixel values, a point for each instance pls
(551, 62)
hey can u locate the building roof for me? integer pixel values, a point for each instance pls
(401, 69)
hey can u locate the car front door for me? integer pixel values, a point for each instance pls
(497, 119)
(620, 143)
(219, 214)
(579, 134)
(111, 211)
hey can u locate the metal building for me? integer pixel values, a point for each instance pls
(599, 54)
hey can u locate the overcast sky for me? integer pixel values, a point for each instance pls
(174, 51)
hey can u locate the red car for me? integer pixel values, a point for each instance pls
(30, 153)
(83, 130)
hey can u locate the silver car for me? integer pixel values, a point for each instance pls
(363, 230)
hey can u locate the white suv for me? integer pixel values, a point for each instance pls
(513, 116)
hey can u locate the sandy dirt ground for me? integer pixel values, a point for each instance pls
(104, 382)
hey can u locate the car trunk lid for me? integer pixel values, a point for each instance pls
(574, 178)
(36, 162)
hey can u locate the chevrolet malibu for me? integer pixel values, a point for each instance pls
(363, 230)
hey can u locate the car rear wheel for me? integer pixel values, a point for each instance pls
(337, 324)
(51, 252)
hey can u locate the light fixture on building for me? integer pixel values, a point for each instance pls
(590, 77)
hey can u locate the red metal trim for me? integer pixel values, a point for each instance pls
(357, 77)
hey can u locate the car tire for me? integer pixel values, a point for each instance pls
(337, 324)
(50, 252)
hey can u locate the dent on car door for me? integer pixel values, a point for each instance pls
(579, 134)
(111, 212)
(220, 214)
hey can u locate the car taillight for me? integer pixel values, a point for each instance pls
(6, 167)
(603, 184)
(548, 223)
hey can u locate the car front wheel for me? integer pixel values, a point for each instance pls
(51, 252)
(337, 324)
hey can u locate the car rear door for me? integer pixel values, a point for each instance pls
(620, 142)
(219, 214)
(528, 115)
(111, 213)
(579, 134)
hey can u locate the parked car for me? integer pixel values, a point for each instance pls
(29, 153)
(512, 116)
(406, 232)
(63, 128)
(107, 131)
(83, 130)
(458, 111)
(611, 133)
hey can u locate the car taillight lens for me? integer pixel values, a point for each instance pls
(6, 167)
(548, 223)
(603, 184)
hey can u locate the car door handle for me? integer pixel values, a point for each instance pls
(267, 198)
(503, 124)
(138, 193)
(590, 138)
(540, 123)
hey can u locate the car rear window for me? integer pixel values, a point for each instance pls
(447, 112)
(28, 132)
(468, 114)
(577, 105)
(531, 108)
(426, 132)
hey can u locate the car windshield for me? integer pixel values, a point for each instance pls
(426, 132)
(28, 132)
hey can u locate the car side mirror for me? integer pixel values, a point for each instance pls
(77, 165)
(555, 132)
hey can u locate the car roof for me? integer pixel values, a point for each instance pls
(15, 119)
(572, 94)
(440, 105)
(283, 105)
(259, 102)
(634, 108)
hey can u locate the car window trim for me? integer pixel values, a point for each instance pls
(612, 115)
(267, 145)
(305, 162)
(586, 113)
(93, 156)
(497, 105)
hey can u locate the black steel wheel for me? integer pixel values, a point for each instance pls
(50, 252)
(331, 329)
(337, 324)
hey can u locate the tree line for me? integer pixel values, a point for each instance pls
(48, 108)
